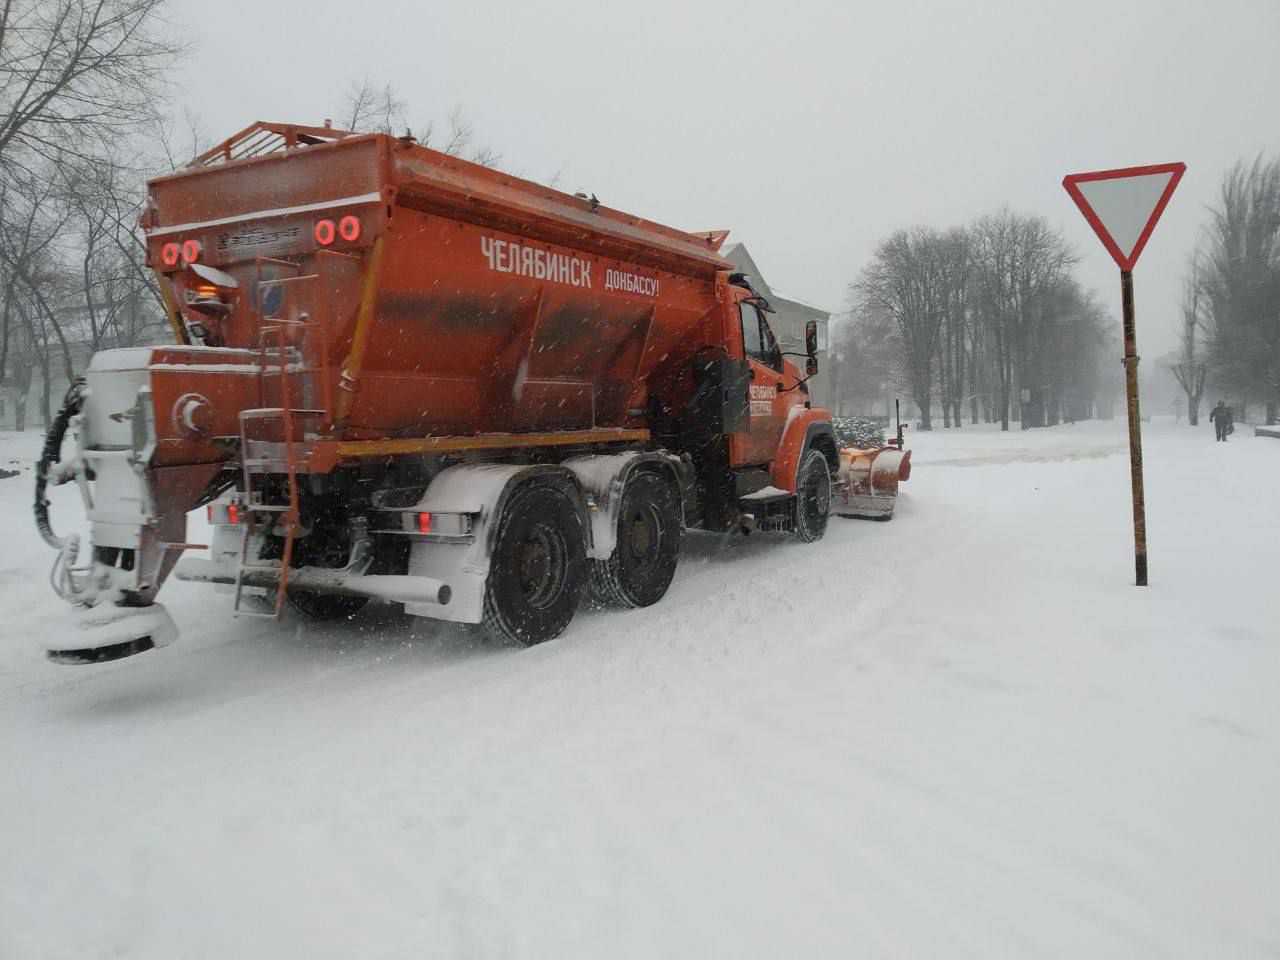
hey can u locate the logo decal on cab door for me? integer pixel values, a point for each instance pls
(761, 396)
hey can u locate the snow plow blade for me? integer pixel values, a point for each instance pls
(108, 632)
(866, 487)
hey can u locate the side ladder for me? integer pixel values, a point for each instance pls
(284, 515)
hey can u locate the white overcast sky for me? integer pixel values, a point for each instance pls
(809, 129)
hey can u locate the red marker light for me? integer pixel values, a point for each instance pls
(169, 254)
(424, 523)
(349, 228)
(190, 251)
(325, 232)
(230, 513)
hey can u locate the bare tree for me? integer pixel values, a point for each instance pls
(906, 282)
(177, 141)
(995, 242)
(1191, 367)
(864, 359)
(31, 222)
(1240, 282)
(1074, 342)
(77, 72)
(982, 312)
(956, 259)
(121, 300)
(1020, 263)
(78, 80)
(21, 352)
(458, 140)
(370, 108)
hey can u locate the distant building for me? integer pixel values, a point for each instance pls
(789, 321)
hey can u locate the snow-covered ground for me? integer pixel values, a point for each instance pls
(962, 733)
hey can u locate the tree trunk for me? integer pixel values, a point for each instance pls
(43, 359)
(5, 326)
(944, 377)
(46, 408)
(21, 372)
(926, 422)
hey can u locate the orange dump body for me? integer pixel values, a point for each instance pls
(425, 296)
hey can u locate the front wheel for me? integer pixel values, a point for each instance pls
(813, 497)
(538, 567)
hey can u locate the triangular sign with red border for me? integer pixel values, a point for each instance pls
(1124, 205)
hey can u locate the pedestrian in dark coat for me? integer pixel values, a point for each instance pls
(1223, 418)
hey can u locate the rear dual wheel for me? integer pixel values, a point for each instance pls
(643, 562)
(538, 567)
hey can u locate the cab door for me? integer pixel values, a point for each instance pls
(767, 408)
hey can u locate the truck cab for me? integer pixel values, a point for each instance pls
(775, 385)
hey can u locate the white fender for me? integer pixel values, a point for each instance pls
(604, 477)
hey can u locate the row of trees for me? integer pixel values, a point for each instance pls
(81, 83)
(986, 320)
(1229, 327)
(85, 119)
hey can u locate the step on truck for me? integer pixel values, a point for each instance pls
(398, 375)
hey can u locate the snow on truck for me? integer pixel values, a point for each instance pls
(399, 375)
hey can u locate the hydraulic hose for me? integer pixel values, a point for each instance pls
(51, 455)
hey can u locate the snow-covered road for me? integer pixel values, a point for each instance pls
(962, 733)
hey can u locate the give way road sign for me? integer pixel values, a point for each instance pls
(1124, 205)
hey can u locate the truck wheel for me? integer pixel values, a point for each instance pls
(324, 606)
(640, 569)
(813, 497)
(538, 567)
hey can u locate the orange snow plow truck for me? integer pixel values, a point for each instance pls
(401, 376)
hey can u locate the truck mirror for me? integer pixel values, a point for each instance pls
(811, 366)
(811, 338)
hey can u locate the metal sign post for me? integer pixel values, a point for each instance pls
(1123, 206)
